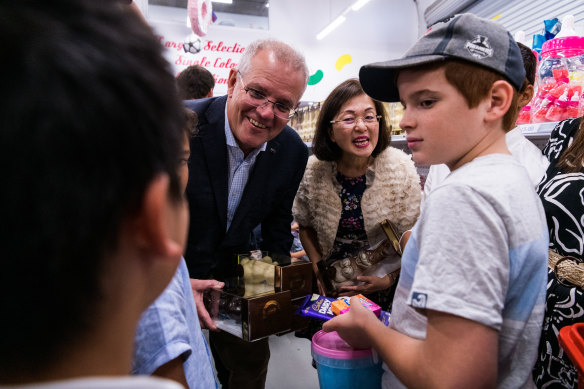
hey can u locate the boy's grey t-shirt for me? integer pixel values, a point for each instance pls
(479, 250)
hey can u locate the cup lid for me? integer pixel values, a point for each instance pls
(330, 344)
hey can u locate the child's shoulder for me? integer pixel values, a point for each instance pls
(490, 174)
(492, 165)
(498, 181)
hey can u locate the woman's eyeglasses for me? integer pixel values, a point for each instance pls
(350, 122)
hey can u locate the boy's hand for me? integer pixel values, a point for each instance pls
(371, 284)
(198, 287)
(351, 325)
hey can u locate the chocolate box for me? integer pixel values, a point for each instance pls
(295, 277)
(249, 315)
(286, 275)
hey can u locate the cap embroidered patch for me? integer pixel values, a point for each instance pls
(479, 47)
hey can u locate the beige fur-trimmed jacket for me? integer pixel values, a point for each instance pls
(393, 192)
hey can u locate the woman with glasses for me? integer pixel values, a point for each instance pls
(354, 181)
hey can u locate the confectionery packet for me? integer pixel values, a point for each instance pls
(341, 305)
(317, 307)
(322, 308)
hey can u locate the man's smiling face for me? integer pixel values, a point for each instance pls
(251, 125)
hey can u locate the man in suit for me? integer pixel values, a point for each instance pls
(246, 166)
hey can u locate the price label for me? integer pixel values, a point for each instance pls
(528, 128)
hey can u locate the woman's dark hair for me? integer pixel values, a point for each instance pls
(572, 159)
(322, 145)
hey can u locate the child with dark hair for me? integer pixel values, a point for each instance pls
(95, 218)
(469, 303)
(195, 82)
(169, 340)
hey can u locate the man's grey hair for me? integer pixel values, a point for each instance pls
(284, 53)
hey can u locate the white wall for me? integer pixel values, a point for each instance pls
(529, 15)
(381, 30)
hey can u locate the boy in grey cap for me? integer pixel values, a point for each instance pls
(470, 301)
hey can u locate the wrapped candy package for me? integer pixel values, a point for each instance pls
(342, 304)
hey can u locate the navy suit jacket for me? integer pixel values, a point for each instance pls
(267, 198)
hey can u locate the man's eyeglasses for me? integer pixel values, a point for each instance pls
(258, 99)
(350, 122)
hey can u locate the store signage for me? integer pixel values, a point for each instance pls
(222, 47)
(217, 56)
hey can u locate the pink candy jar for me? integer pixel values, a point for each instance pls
(559, 80)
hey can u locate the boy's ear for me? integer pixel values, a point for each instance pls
(501, 98)
(151, 224)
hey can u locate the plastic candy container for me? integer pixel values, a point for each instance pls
(339, 366)
(559, 81)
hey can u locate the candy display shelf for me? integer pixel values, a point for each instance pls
(537, 129)
(538, 133)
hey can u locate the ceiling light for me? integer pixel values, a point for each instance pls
(358, 4)
(335, 23)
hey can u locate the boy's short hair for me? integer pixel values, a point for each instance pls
(466, 37)
(90, 116)
(194, 82)
(529, 63)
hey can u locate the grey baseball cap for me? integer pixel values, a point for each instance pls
(466, 37)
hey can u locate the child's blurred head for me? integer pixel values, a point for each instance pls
(190, 130)
(474, 52)
(530, 65)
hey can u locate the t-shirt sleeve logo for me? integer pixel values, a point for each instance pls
(479, 47)
(419, 300)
